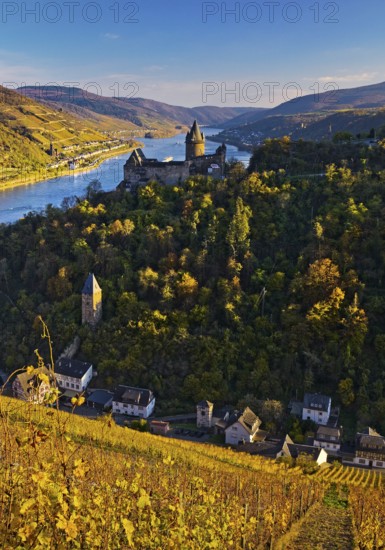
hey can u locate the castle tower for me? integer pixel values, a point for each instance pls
(195, 142)
(204, 414)
(91, 301)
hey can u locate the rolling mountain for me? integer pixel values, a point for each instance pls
(355, 110)
(146, 114)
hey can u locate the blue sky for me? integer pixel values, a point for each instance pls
(188, 52)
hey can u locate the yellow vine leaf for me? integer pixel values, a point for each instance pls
(129, 530)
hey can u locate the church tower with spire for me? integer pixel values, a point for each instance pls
(91, 301)
(195, 142)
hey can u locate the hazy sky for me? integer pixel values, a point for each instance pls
(188, 52)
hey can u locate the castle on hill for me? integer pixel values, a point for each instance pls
(139, 170)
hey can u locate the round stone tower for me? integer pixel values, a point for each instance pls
(195, 142)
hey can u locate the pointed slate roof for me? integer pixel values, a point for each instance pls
(91, 285)
(137, 157)
(194, 134)
(247, 419)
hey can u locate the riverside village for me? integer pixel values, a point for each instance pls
(241, 429)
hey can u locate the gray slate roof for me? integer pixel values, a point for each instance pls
(316, 401)
(370, 441)
(133, 396)
(327, 431)
(247, 419)
(71, 367)
(91, 285)
(194, 134)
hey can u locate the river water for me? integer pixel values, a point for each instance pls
(15, 203)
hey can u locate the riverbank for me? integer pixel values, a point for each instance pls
(44, 175)
(235, 142)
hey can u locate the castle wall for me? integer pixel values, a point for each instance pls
(167, 172)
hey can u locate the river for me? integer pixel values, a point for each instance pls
(15, 203)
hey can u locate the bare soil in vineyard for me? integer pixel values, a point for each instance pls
(326, 526)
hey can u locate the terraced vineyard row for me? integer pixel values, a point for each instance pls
(357, 477)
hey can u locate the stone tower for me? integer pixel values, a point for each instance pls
(91, 301)
(195, 142)
(204, 414)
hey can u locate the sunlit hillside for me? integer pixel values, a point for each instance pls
(69, 482)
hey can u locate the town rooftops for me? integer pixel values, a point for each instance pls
(316, 401)
(71, 367)
(326, 432)
(133, 396)
(91, 285)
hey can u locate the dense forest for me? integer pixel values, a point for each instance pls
(260, 284)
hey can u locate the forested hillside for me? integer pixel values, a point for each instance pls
(260, 284)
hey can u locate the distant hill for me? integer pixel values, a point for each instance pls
(314, 126)
(146, 114)
(28, 128)
(356, 110)
(363, 97)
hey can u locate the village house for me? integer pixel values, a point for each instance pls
(133, 401)
(158, 427)
(33, 387)
(72, 374)
(316, 407)
(370, 449)
(328, 438)
(242, 427)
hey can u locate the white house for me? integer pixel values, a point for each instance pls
(316, 407)
(328, 438)
(73, 375)
(242, 427)
(133, 401)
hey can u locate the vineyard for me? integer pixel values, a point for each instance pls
(353, 477)
(67, 482)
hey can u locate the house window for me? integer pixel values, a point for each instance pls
(77, 386)
(72, 386)
(362, 461)
(379, 463)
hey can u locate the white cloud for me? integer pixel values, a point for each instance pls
(111, 36)
(365, 77)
